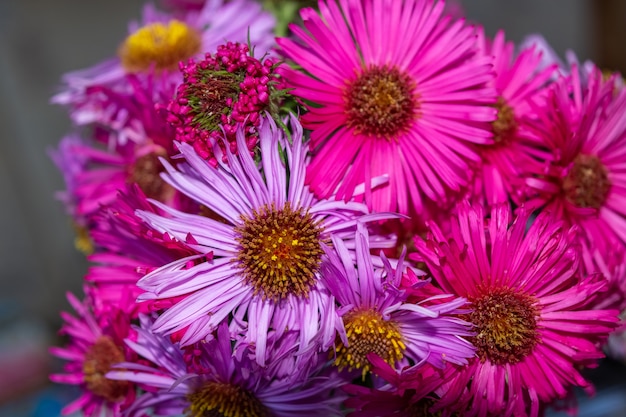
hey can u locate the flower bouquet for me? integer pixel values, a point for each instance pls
(343, 208)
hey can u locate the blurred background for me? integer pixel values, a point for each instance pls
(39, 41)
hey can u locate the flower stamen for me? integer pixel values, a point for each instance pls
(215, 399)
(99, 359)
(506, 326)
(367, 333)
(163, 46)
(381, 102)
(587, 182)
(280, 251)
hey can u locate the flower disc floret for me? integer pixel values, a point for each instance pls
(218, 92)
(367, 333)
(99, 359)
(587, 182)
(381, 102)
(215, 399)
(159, 45)
(506, 325)
(280, 251)
(505, 126)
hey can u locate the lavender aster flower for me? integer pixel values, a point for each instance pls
(215, 380)
(378, 318)
(266, 244)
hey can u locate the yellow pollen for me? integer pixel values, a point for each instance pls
(367, 333)
(506, 325)
(587, 182)
(163, 46)
(280, 251)
(215, 399)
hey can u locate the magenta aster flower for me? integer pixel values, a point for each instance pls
(266, 238)
(377, 317)
(584, 127)
(125, 250)
(391, 88)
(94, 175)
(531, 309)
(95, 346)
(160, 41)
(517, 80)
(220, 93)
(215, 380)
(409, 392)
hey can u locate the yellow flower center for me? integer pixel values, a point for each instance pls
(163, 46)
(215, 399)
(380, 102)
(280, 251)
(368, 333)
(587, 182)
(506, 325)
(99, 359)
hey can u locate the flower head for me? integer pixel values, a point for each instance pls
(531, 309)
(399, 93)
(266, 234)
(219, 93)
(213, 379)
(583, 126)
(517, 81)
(160, 41)
(126, 250)
(378, 318)
(95, 346)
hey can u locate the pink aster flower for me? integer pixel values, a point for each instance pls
(211, 378)
(530, 307)
(394, 89)
(94, 175)
(584, 127)
(219, 93)
(377, 317)
(160, 41)
(518, 79)
(266, 238)
(95, 345)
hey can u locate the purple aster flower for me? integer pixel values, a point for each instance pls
(211, 378)
(266, 237)
(378, 318)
